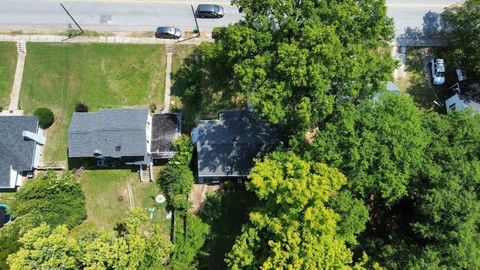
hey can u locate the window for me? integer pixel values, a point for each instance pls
(452, 107)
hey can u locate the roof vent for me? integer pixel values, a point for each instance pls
(227, 169)
(97, 153)
(118, 148)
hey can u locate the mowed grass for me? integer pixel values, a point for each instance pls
(181, 52)
(107, 198)
(8, 62)
(58, 76)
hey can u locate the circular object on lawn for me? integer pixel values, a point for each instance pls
(160, 198)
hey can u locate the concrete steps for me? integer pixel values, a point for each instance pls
(21, 47)
(169, 48)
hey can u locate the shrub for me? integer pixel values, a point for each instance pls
(81, 107)
(45, 117)
(153, 107)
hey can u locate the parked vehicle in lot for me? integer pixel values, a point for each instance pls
(437, 68)
(168, 32)
(209, 11)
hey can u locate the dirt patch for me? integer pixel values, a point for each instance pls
(198, 195)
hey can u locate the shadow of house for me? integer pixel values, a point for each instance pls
(227, 147)
(21, 139)
(119, 137)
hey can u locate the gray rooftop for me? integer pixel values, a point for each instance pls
(228, 146)
(15, 150)
(113, 132)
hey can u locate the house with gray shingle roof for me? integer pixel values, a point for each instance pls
(20, 141)
(227, 147)
(129, 136)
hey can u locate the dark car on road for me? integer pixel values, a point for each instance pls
(168, 32)
(209, 11)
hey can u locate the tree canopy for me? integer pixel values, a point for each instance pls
(378, 145)
(140, 245)
(296, 60)
(294, 228)
(463, 35)
(436, 225)
(52, 199)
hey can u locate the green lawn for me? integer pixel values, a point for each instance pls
(107, 198)
(181, 52)
(59, 75)
(8, 62)
(225, 211)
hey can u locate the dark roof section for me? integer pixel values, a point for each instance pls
(228, 146)
(15, 150)
(470, 89)
(166, 127)
(111, 132)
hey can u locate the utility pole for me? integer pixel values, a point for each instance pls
(71, 17)
(196, 22)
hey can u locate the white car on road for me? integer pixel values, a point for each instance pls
(438, 71)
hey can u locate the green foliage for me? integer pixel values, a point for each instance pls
(294, 228)
(436, 227)
(56, 199)
(184, 148)
(177, 181)
(140, 245)
(11, 232)
(187, 245)
(378, 145)
(296, 60)
(225, 211)
(45, 117)
(45, 248)
(463, 34)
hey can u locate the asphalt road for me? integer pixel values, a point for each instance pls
(109, 15)
(145, 15)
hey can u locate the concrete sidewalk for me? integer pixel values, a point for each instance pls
(17, 83)
(119, 40)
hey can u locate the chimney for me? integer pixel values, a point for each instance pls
(34, 137)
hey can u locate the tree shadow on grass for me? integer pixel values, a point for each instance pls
(420, 88)
(204, 87)
(225, 211)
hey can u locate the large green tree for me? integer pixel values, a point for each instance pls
(378, 145)
(463, 35)
(294, 228)
(139, 245)
(296, 60)
(436, 225)
(53, 199)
